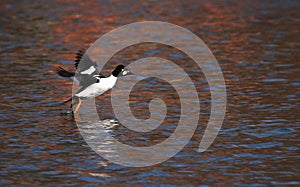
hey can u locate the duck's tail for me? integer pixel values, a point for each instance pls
(64, 73)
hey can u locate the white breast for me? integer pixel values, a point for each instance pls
(99, 88)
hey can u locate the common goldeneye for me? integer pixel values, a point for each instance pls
(92, 83)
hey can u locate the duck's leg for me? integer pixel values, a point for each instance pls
(77, 106)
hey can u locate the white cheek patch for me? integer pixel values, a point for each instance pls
(125, 72)
(89, 71)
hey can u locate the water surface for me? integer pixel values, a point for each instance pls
(256, 44)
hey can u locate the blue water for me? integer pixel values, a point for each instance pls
(256, 44)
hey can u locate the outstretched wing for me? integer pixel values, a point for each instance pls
(78, 57)
(86, 70)
(84, 65)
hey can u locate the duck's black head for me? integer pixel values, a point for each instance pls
(118, 70)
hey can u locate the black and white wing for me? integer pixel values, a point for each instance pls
(84, 65)
(86, 70)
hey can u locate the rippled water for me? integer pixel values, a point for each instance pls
(256, 44)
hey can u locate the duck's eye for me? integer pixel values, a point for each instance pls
(97, 81)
